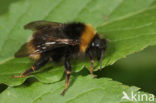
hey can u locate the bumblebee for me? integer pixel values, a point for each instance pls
(61, 41)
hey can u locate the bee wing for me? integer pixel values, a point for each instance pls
(56, 43)
(22, 52)
(51, 44)
(37, 25)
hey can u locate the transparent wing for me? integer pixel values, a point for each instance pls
(49, 45)
(37, 25)
(54, 43)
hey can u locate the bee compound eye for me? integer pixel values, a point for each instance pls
(93, 44)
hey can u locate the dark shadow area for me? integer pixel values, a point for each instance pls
(30, 81)
(3, 87)
(144, 79)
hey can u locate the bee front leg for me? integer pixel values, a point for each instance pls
(40, 63)
(68, 72)
(91, 68)
(92, 58)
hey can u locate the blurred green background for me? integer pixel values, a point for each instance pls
(4, 5)
(138, 69)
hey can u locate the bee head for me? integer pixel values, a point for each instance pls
(99, 44)
(97, 47)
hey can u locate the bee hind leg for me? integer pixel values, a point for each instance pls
(40, 63)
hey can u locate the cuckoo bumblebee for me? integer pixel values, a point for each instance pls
(61, 41)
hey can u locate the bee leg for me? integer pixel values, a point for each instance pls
(91, 68)
(40, 63)
(68, 72)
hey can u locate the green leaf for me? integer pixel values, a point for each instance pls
(129, 27)
(16, 66)
(129, 34)
(48, 74)
(83, 89)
